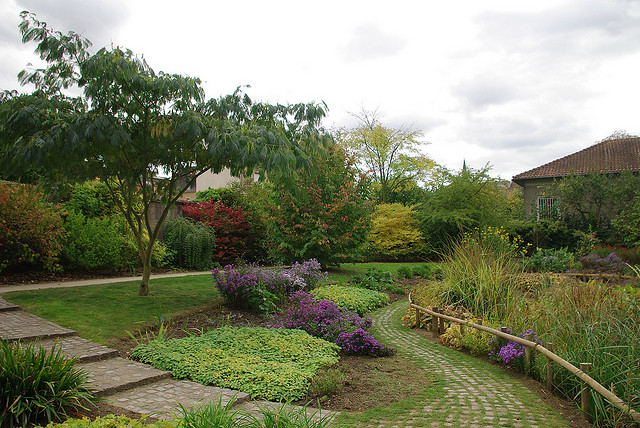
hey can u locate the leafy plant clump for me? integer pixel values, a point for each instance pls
(324, 319)
(377, 280)
(550, 260)
(190, 243)
(270, 364)
(111, 421)
(356, 299)
(609, 264)
(38, 385)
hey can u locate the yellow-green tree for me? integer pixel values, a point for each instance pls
(390, 155)
(395, 234)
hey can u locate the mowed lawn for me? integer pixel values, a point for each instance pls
(98, 312)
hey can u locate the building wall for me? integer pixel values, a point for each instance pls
(209, 180)
(533, 189)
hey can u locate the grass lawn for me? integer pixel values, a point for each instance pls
(347, 270)
(98, 312)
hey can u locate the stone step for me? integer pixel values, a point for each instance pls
(7, 306)
(20, 325)
(107, 377)
(76, 347)
(160, 399)
(253, 408)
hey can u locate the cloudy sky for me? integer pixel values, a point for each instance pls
(513, 83)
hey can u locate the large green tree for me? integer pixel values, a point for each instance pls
(131, 125)
(390, 155)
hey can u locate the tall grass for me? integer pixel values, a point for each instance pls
(479, 275)
(589, 323)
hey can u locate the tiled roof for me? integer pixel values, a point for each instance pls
(611, 155)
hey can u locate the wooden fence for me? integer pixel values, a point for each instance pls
(437, 323)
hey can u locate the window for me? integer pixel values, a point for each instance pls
(546, 208)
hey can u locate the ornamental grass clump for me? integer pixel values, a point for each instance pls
(479, 275)
(38, 385)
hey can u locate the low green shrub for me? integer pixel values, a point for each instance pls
(38, 385)
(271, 364)
(356, 299)
(550, 260)
(377, 280)
(428, 271)
(404, 272)
(190, 244)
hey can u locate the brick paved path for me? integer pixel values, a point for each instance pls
(472, 396)
(123, 383)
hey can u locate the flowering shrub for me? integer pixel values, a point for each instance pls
(258, 288)
(610, 264)
(30, 229)
(324, 319)
(512, 353)
(360, 342)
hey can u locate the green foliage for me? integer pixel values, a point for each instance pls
(550, 260)
(326, 383)
(38, 385)
(97, 243)
(547, 234)
(111, 421)
(356, 299)
(391, 155)
(374, 279)
(190, 243)
(30, 229)
(395, 234)
(213, 414)
(91, 199)
(328, 215)
(405, 272)
(272, 364)
(427, 271)
(626, 224)
(131, 122)
(467, 200)
(286, 416)
(629, 255)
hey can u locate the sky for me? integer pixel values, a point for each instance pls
(511, 83)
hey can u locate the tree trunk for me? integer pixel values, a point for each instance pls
(146, 273)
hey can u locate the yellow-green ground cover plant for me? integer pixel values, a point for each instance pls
(271, 364)
(586, 321)
(356, 299)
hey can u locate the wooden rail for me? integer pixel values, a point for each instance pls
(437, 319)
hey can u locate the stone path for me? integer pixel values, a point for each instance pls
(123, 383)
(472, 397)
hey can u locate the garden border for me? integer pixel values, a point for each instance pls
(437, 320)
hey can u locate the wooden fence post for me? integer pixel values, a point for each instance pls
(434, 322)
(503, 341)
(418, 318)
(549, 346)
(527, 354)
(585, 394)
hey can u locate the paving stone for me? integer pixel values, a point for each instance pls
(20, 325)
(7, 306)
(160, 399)
(77, 347)
(117, 374)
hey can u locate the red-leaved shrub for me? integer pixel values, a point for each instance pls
(230, 225)
(30, 229)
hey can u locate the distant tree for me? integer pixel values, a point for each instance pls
(463, 201)
(390, 155)
(132, 124)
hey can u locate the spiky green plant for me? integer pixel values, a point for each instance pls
(38, 385)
